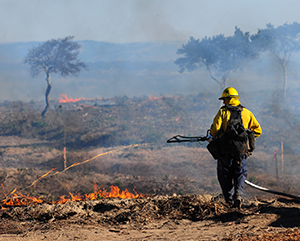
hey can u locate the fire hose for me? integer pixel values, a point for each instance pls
(270, 191)
(179, 138)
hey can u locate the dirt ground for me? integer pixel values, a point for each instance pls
(181, 202)
(158, 218)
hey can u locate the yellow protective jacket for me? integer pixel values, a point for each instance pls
(220, 122)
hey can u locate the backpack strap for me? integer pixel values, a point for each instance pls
(235, 114)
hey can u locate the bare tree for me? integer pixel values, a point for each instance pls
(55, 56)
(282, 42)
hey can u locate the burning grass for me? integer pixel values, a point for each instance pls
(156, 169)
(15, 198)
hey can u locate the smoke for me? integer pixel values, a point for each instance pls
(140, 69)
(152, 21)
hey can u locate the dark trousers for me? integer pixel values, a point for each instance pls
(232, 176)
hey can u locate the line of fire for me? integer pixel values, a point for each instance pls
(16, 198)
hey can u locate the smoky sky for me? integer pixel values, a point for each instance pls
(137, 20)
(134, 21)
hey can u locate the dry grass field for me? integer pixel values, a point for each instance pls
(178, 188)
(124, 145)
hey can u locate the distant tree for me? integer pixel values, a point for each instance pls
(54, 56)
(282, 42)
(220, 55)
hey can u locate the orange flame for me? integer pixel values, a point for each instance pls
(155, 98)
(21, 200)
(42, 176)
(101, 194)
(17, 199)
(65, 99)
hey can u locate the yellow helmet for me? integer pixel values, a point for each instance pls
(229, 92)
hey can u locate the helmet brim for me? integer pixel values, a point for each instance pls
(229, 97)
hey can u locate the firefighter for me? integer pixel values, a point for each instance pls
(232, 171)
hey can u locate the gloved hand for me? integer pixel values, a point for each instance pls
(209, 138)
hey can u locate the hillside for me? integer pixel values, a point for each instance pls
(107, 124)
(50, 168)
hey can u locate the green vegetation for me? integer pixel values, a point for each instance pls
(214, 182)
(118, 182)
(252, 179)
(39, 123)
(180, 192)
